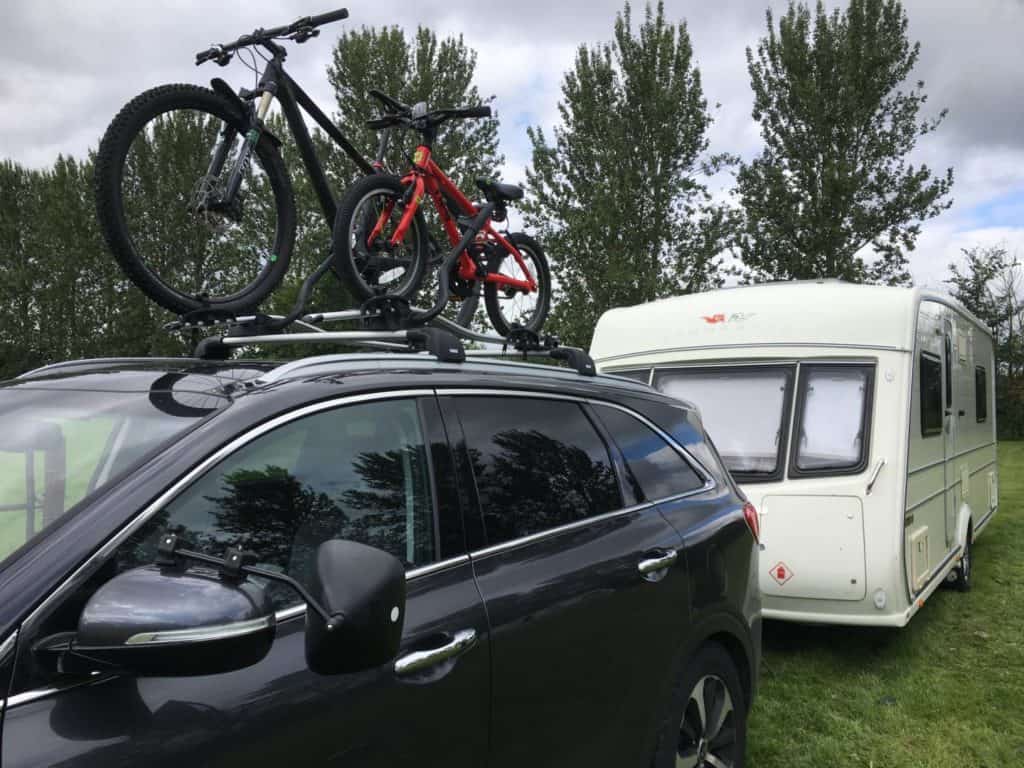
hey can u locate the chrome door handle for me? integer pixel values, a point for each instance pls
(653, 564)
(413, 662)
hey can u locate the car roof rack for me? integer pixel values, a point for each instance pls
(384, 325)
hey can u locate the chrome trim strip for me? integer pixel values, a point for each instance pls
(202, 634)
(522, 540)
(84, 570)
(760, 345)
(294, 611)
(41, 693)
(8, 645)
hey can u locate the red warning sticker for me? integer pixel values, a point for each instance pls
(781, 573)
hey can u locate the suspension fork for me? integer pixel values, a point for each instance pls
(267, 89)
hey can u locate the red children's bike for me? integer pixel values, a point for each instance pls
(383, 246)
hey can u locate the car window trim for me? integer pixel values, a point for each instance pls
(706, 476)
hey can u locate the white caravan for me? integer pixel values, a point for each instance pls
(859, 420)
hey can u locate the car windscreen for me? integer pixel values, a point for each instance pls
(743, 409)
(58, 445)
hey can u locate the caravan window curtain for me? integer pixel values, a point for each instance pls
(745, 409)
(832, 423)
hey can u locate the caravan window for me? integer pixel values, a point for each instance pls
(980, 394)
(744, 408)
(931, 395)
(832, 423)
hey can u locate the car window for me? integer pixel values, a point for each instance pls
(358, 472)
(654, 468)
(832, 417)
(538, 464)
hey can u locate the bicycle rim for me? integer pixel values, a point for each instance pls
(183, 228)
(383, 268)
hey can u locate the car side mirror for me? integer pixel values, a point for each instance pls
(168, 621)
(361, 591)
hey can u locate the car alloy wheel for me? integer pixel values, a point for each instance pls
(707, 735)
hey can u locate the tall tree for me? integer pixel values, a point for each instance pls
(989, 283)
(412, 69)
(834, 179)
(618, 199)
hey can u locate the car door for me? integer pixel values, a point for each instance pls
(376, 471)
(584, 592)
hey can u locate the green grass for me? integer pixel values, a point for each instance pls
(947, 690)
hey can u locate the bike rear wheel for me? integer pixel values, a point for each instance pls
(375, 203)
(164, 208)
(508, 307)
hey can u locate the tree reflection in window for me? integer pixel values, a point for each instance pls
(538, 464)
(357, 473)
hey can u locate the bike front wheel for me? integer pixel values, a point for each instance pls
(368, 262)
(509, 307)
(194, 202)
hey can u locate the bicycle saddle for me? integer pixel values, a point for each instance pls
(495, 191)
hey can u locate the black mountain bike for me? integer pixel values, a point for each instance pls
(192, 194)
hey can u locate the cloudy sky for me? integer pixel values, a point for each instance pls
(66, 66)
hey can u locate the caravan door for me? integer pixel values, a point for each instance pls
(950, 427)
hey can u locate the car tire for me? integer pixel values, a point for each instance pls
(692, 730)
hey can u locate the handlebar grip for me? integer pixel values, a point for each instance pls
(482, 111)
(209, 53)
(330, 16)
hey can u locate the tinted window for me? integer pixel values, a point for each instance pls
(655, 469)
(980, 394)
(832, 420)
(538, 464)
(931, 395)
(744, 409)
(358, 472)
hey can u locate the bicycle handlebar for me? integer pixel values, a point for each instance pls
(389, 102)
(402, 115)
(222, 53)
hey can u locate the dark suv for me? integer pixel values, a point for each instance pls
(363, 560)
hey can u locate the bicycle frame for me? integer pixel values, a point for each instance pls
(276, 83)
(427, 177)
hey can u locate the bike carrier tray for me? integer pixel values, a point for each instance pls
(440, 337)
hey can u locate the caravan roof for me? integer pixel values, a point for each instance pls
(825, 313)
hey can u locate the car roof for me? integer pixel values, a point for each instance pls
(250, 376)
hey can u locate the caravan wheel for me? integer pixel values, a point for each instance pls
(961, 575)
